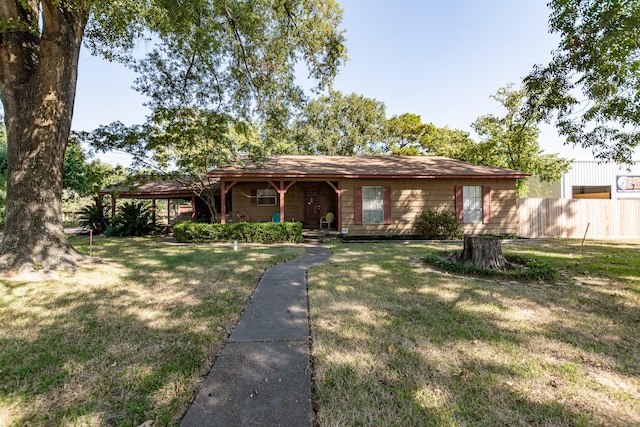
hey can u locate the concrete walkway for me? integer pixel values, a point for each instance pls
(262, 377)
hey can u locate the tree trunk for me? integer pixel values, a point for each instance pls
(38, 71)
(484, 252)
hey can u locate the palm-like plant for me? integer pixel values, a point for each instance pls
(94, 216)
(132, 219)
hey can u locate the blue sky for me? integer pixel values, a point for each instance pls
(439, 59)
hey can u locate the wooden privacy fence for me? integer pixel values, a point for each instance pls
(570, 218)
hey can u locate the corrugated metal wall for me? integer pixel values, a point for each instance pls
(591, 173)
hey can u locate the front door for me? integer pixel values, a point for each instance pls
(311, 208)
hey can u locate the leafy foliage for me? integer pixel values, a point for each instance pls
(407, 135)
(258, 232)
(239, 57)
(85, 178)
(512, 141)
(233, 58)
(436, 224)
(134, 218)
(509, 141)
(182, 144)
(453, 143)
(590, 87)
(338, 125)
(94, 216)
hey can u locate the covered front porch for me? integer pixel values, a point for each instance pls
(306, 201)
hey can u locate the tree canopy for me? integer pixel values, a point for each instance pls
(509, 141)
(591, 87)
(182, 144)
(83, 177)
(229, 57)
(337, 124)
(407, 135)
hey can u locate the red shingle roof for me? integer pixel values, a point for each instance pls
(363, 167)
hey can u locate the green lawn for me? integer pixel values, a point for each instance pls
(123, 341)
(397, 343)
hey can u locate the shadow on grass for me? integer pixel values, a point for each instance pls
(125, 341)
(396, 345)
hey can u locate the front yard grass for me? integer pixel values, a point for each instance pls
(123, 341)
(397, 342)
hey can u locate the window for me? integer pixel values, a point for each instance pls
(473, 204)
(372, 205)
(267, 197)
(591, 191)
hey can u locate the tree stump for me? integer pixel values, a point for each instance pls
(484, 252)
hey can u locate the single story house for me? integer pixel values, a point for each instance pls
(368, 195)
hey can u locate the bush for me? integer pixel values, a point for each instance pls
(95, 216)
(250, 232)
(132, 219)
(435, 224)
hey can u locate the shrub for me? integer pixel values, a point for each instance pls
(132, 219)
(436, 224)
(94, 216)
(256, 232)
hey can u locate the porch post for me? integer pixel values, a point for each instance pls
(193, 207)
(223, 199)
(153, 209)
(168, 211)
(282, 190)
(223, 202)
(113, 205)
(339, 191)
(281, 193)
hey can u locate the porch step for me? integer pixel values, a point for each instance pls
(313, 236)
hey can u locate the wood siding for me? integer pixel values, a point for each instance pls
(571, 217)
(242, 201)
(411, 196)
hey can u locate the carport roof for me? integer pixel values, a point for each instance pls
(159, 188)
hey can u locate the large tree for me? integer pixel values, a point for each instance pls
(230, 56)
(511, 141)
(591, 86)
(182, 144)
(83, 177)
(338, 125)
(453, 143)
(3, 168)
(407, 136)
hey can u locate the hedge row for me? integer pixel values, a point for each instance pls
(249, 232)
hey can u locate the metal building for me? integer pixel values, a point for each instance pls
(589, 179)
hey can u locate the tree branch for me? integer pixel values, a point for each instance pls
(244, 55)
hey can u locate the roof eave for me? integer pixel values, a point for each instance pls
(364, 176)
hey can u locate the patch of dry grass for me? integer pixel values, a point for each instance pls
(399, 343)
(125, 340)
